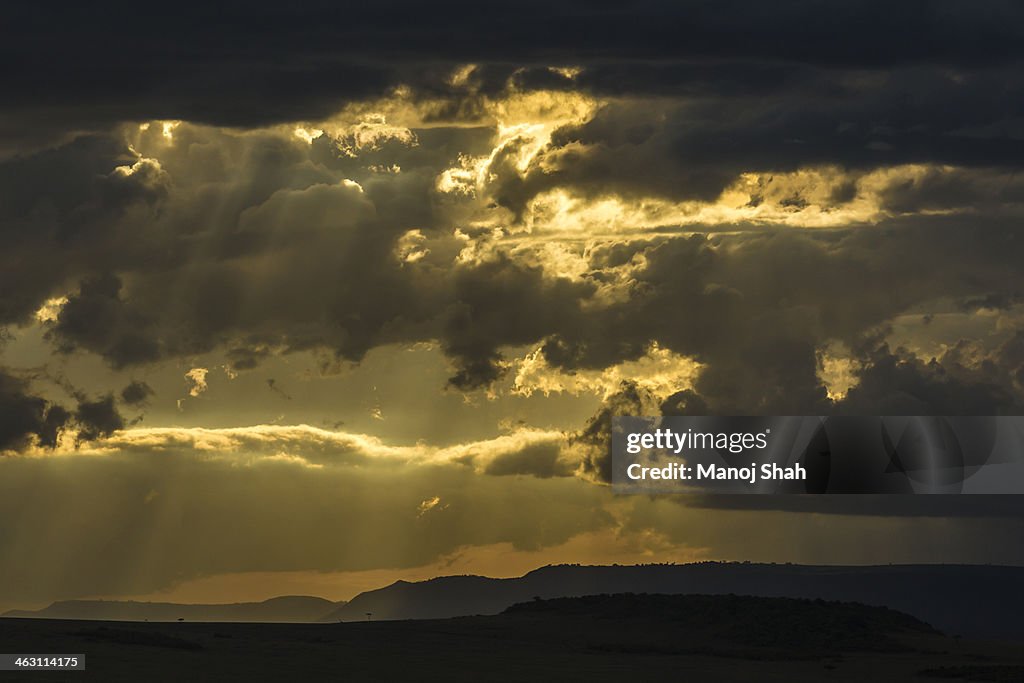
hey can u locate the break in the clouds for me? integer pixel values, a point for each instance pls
(338, 244)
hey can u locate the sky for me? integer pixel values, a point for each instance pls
(310, 299)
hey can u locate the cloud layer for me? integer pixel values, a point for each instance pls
(456, 243)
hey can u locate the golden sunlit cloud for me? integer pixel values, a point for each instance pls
(50, 310)
(197, 381)
(660, 371)
(523, 127)
(308, 134)
(370, 134)
(306, 446)
(433, 503)
(167, 129)
(837, 369)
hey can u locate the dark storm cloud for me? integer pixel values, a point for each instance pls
(97, 320)
(898, 383)
(257, 244)
(693, 147)
(282, 265)
(276, 254)
(136, 393)
(60, 214)
(946, 189)
(1010, 356)
(98, 418)
(592, 444)
(27, 418)
(273, 252)
(24, 415)
(253, 63)
(889, 382)
(748, 307)
(541, 460)
(498, 304)
(756, 308)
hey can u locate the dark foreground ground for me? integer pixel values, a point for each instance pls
(620, 637)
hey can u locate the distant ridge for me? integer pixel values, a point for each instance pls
(977, 601)
(292, 608)
(970, 600)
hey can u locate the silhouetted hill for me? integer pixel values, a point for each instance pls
(969, 600)
(761, 627)
(716, 639)
(297, 608)
(439, 598)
